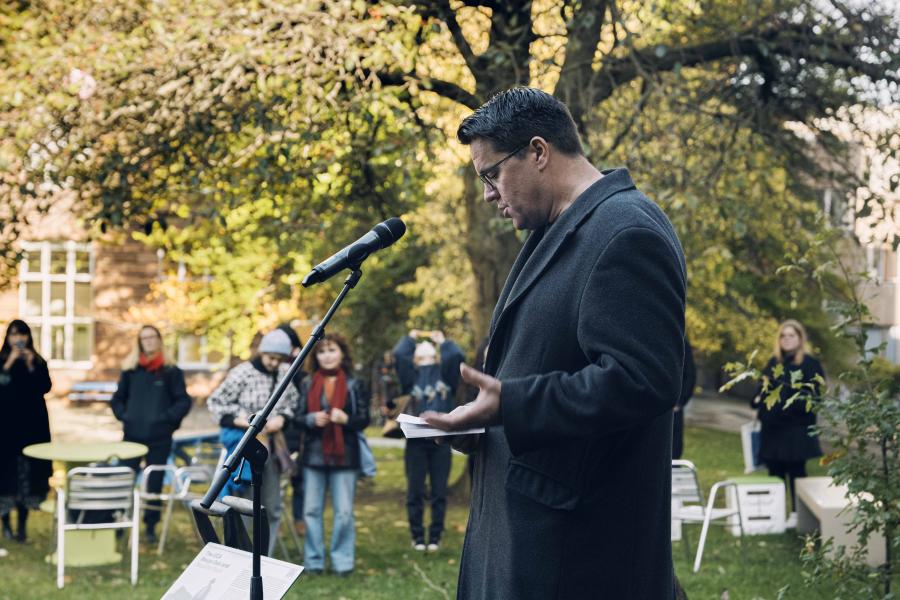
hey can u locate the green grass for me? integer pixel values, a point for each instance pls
(772, 561)
(387, 568)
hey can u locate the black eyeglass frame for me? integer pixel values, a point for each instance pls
(486, 179)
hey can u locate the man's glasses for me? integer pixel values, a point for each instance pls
(487, 176)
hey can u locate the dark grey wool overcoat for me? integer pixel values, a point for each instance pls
(571, 495)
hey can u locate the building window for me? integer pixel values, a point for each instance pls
(193, 355)
(56, 300)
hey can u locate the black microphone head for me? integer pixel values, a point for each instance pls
(390, 231)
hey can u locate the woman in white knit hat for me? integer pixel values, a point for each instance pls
(245, 392)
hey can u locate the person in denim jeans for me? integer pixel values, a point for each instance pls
(334, 408)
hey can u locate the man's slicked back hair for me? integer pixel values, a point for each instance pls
(510, 119)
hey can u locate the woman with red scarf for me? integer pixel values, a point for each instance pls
(150, 400)
(334, 408)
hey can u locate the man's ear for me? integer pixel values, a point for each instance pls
(541, 149)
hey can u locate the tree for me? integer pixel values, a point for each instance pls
(683, 92)
(860, 417)
(179, 112)
(225, 131)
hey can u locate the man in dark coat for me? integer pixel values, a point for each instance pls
(572, 483)
(688, 383)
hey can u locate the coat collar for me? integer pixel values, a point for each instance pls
(543, 244)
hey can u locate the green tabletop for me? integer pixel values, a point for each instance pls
(755, 479)
(85, 452)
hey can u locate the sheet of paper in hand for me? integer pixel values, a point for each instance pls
(414, 427)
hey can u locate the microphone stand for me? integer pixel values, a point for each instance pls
(255, 453)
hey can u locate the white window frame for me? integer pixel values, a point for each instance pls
(203, 364)
(45, 321)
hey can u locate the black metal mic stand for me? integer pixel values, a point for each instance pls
(251, 450)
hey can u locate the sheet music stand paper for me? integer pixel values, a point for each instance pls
(223, 573)
(416, 427)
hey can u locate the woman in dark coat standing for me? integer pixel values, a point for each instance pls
(150, 400)
(786, 442)
(24, 379)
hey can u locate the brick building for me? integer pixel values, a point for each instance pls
(77, 293)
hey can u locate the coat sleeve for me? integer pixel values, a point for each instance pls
(223, 402)
(631, 330)
(42, 377)
(358, 416)
(689, 375)
(303, 418)
(118, 401)
(403, 363)
(180, 400)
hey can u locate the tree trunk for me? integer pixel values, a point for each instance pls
(491, 246)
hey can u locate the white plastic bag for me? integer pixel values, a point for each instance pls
(750, 445)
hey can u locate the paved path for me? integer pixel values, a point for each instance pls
(95, 421)
(718, 412)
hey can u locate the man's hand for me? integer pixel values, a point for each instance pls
(484, 410)
(467, 444)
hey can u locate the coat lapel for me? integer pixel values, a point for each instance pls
(555, 236)
(527, 250)
(544, 244)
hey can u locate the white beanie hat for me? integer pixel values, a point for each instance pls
(276, 342)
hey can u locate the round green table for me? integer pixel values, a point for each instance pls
(87, 547)
(81, 453)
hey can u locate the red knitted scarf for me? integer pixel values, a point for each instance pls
(332, 434)
(152, 363)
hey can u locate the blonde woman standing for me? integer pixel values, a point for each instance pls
(151, 400)
(786, 441)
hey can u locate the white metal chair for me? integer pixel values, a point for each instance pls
(686, 488)
(164, 499)
(204, 464)
(97, 489)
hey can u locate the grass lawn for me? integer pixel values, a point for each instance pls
(386, 566)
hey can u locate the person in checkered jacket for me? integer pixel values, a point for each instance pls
(244, 392)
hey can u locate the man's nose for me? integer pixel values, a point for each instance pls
(491, 194)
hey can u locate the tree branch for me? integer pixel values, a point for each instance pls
(446, 89)
(443, 11)
(791, 42)
(583, 29)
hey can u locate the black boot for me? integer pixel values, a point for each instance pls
(150, 534)
(7, 529)
(22, 521)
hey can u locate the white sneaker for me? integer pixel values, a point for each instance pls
(433, 547)
(418, 546)
(791, 522)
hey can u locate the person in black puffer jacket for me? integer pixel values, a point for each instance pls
(785, 439)
(151, 401)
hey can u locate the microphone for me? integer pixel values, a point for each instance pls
(381, 236)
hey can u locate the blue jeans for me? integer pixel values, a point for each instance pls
(343, 536)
